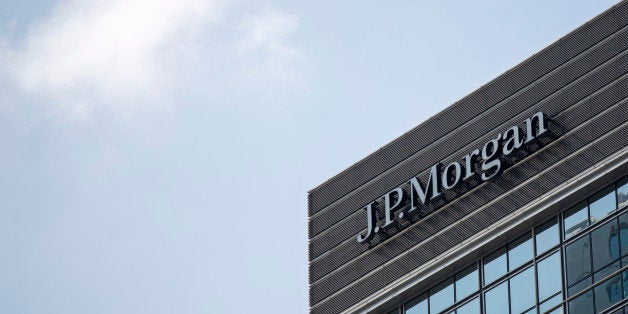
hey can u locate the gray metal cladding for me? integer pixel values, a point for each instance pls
(569, 118)
(474, 104)
(580, 82)
(490, 119)
(555, 152)
(571, 94)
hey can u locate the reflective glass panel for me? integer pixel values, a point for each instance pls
(496, 299)
(579, 286)
(600, 275)
(547, 236)
(608, 293)
(602, 203)
(624, 279)
(418, 305)
(520, 252)
(495, 266)
(522, 295)
(530, 311)
(550, 303)
(576, 219)
(605, 244)
(582, 304)
(550, 280)
(578, 259)
(471, 307)
(623, 232)
(622, 193)
(442, 296)
(467, 282)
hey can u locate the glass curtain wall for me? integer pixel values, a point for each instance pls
(576, 262)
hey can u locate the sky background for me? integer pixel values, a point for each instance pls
(155, 156)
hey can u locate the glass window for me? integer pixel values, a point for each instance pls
(602, 203)
(624, 278)
(578, 260)
(608, 293)
(576, 219)
(520, 252)
(547, 236)
(522, 292)
(471, 307)
(442, 296)
(579, 286)
(623, 232)
(418, 305)
(549, 281)
(556, 311)
(467, 282)
(605, 246)
(550, 303)
(600, 275)
(582, 304)
(496, 299)
(495, 266)
(622, 193)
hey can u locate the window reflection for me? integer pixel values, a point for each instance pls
(467, 282)
(550, 303)
(623, 232)
(418, 305)
(576, 219)
(622, 193)
(442, 296)
(578, 260)
(608, 293)
(549, 283)
(496, 299)
(520, 252)
(522, 295)
(547, 236)
(605, 244)
(582, 304)
(495, 266)
(472, 307)
(602, 203)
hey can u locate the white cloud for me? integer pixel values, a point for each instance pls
(122, 54)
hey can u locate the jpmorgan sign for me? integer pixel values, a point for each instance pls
(477, 166)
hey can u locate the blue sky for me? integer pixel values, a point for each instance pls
(156, 155)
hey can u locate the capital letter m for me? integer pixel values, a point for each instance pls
(423, 193)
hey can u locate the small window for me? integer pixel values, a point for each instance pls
(547, 236)
(549, 281)
(622, 193)
(522, 295)
(467, 282)
(578, 260)
(605, 245)
(520, 252)
(582, 304)
(495, 266)
(471, 307)
(602, 203)
(442, 296)
(576, 219)
(418, 305)
(496, 299)
(608, 293)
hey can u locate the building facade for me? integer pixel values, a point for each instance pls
(512, 200)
